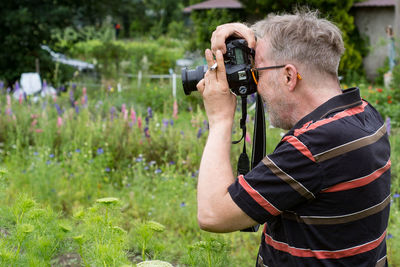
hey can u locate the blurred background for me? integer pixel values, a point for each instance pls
(121, 37)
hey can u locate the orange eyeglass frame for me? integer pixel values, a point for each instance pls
(254, 72)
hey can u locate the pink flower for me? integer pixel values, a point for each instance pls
(139, 122)
(20, 97)
(59, 121)
(248, 139)
(133, 115)
(175, 110)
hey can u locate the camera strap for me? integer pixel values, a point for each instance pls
(243, 166)
(259, 143)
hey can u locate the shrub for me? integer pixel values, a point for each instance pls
(113, 58)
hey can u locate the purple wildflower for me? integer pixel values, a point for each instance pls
(183, 204)
(182, 133)
(77, 150)
(8, 90)
(171, 121)
(51, 155)
(74, 86)
(165, 123)
(172, 162)
(112, 111)
(150, 112)
(77, 109)
(35, 153)
(139, 159)
(48, 162)
(158, 171)
(16, 86)
(199, 133)
(146, 132)
(107, 169)
(146, 168)
(100, 151)
(396, 195)
(147, 120)
(1, 85)
(59, 111)
(389, 236)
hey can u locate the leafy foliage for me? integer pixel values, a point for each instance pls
(25, 25)
(206, 21)
(115, 57)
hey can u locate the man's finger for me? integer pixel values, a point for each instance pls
(209, 58)
(200, 86)
(221, 74)
(231, 29)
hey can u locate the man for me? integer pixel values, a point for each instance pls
(324, 193)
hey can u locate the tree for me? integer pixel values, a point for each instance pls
(26, 24)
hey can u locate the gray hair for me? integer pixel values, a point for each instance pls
(303, 38)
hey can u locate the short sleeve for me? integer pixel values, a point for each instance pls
(281, 181)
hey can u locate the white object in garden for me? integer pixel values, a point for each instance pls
(30, 83)
(174, 85)
(154, 263)
(76, 63)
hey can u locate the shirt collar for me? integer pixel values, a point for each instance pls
(348, 99)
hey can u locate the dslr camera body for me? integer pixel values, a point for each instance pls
(239, 62)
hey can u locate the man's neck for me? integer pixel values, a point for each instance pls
(308, 98)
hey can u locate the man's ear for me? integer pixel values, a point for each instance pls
(291, 76)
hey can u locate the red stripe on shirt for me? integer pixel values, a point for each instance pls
(359, 181)
(257, 197)
(345, 113)
(324, 254)
(299, 146)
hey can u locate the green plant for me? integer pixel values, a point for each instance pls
(210, 252)
(143, 234)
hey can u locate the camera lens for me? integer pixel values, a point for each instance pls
(190, 78)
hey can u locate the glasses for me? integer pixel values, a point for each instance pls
(254, 72)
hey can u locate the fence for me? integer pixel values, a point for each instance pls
(140, 77)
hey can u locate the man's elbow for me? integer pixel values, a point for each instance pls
(210, 223)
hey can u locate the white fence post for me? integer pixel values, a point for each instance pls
(174, 85)
(139, 78)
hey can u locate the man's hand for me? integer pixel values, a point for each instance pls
(219, 102)
(231, 29)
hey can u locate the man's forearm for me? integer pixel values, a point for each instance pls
(215, 174)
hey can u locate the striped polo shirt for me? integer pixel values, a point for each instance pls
(324, 193)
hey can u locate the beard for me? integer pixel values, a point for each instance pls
(277, 108)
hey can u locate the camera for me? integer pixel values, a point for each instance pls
(239, 61)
